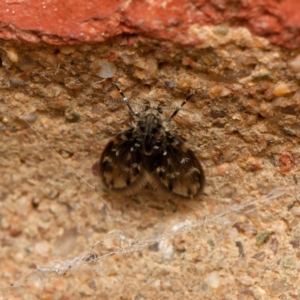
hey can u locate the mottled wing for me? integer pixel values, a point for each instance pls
(178, 170)
(121, 164)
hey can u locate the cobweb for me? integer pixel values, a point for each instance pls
(94, 256)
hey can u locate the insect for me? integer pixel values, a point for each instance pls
(148, 153)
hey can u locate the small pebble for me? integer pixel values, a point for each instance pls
(5, 120)
(12, 55)
(156, 283)
(215, 91)
(65, 243)
(281, 89)
(24, 205)
(274, 244)
(166, 282)
(108, 70)
(266, 109)
(296, 211)
(72, 117)
(27, 63)
(262, 237)
(184, 83)
(286, 162)
(295, 64)
(220, 30)
(260, 256)
(246, 280)
(213, 279)
(166, 249)
(67, 49)
(279, 286)
(30, 117)
(42, 248)
(14, 232)
(289, 265)
(226, 190)
(222, 169)
(279, 226)
(253, 164)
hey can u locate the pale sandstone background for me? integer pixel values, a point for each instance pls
(57, 115)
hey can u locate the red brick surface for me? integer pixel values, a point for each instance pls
(56, 21)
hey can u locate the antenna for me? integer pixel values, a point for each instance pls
(125, 100)
(178, 108)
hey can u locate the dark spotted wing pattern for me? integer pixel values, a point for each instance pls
(175, 169)
(178, 171)
(121, 164)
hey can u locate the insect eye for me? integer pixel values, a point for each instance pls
(159, 110)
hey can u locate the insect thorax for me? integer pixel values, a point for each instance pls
(150, 130)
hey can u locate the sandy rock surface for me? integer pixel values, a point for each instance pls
(64, 236)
